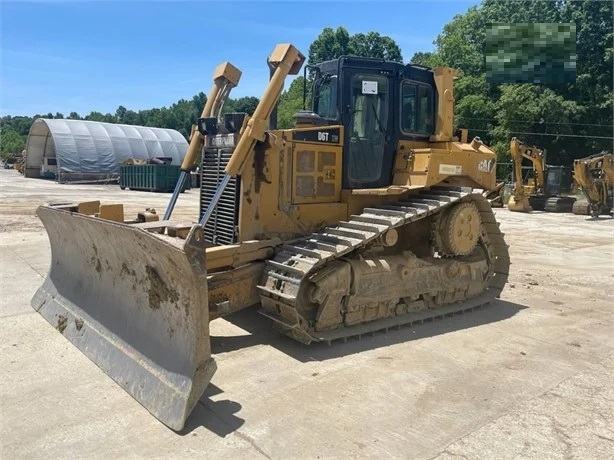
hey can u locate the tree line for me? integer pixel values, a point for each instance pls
(179, 116)
(569, 120)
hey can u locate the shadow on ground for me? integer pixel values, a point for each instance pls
(220, 416)
(262, 332)
(588, 218)
(602, 218)
(216, 416)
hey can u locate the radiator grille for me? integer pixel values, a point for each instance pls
(222, 225)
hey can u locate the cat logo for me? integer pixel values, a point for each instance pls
(486, 165)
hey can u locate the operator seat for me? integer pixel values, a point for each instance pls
(408, 111)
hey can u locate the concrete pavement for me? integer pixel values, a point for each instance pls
(529, 377)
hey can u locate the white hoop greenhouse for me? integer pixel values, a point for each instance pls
(85, 150)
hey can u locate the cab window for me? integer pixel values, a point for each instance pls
(325, 103)
(416, 109)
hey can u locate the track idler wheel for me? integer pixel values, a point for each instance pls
(458, 229)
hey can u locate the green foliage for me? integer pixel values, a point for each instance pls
(522, 111)
(569, 120)
(179, 116)
(426, 59)
(10, 142)
(244, 104)
(290, 102)
(375, 45)
(19, 124)
(461, 43)
(331, 44)
(97, 116)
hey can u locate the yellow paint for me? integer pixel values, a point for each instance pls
(424, 164)
(89, 207)
(113, 212)
(316, 173)
(595, 174)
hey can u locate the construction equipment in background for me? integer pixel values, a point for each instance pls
(20, 165)
(495, 196)
(550, 183)
(15, 161)
(595, 175)
(365, 216)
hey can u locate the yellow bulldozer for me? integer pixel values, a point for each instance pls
(595, 176)
(367, 215)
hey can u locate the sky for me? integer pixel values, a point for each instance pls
(83, 56)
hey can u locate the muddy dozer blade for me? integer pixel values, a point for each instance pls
(135, 303)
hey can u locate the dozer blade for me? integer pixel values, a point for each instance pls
(135, 304)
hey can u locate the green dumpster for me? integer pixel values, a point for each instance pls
(150, 177)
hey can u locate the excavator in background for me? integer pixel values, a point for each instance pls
(550, 183)
(367, 215)
(595, 175)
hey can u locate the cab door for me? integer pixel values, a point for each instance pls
(368, 121)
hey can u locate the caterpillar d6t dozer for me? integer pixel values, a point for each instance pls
(368, 214)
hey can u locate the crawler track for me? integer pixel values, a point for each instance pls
(300, 260)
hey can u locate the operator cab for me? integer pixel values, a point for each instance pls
(558, 180)
(379, 103)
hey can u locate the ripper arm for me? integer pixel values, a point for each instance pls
(287, 60)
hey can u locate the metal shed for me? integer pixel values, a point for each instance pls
(85, 150)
